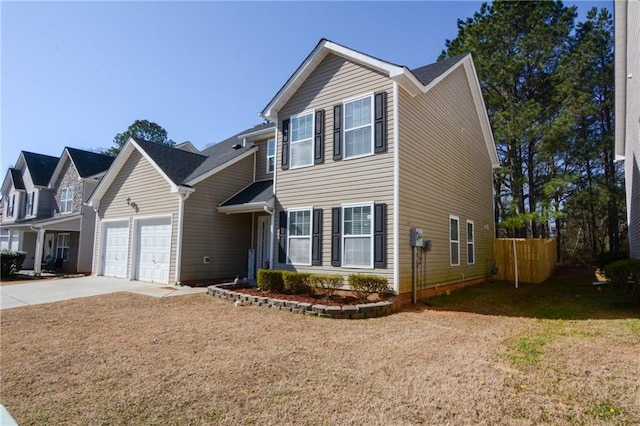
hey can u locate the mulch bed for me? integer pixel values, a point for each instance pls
(336, 299)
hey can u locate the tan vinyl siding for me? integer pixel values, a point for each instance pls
(365, 179)
(141, 182)
(444, 170)
(224, 238)
(261, 162)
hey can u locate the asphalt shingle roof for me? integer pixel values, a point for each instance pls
(428, 73)
(89, 163)
(41, 167)
(261, 191)
(177, 164)
(16, 176)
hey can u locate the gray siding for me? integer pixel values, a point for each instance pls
(140, 181)
(444, 170)
(365, 179)
(632, 162)
(87, 229)
(224, 238)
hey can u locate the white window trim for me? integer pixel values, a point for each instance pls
(291, 142)
(30, 196)
(68, 246)
(344, 126)
(271, 141)
(299, 237)
(11, 201)
(457, 219)
(68, 200)
(371, 234)
(471, 242)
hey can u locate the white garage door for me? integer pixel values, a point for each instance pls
(115, 249)
(154, 250)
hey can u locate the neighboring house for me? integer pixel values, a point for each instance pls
(627, 81)
(367, 150)
(48, 215)
(157, 207)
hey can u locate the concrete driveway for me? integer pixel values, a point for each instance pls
(56, 290)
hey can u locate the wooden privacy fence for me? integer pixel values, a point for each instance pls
(537, 258)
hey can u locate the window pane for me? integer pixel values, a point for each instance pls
(301, 127)
(300, 223)
(455, 256)
(469, 231)
(357, 220)
(358, 142)
(470, 254)
(357, 251)
(302, 153)
(299, 250)
(454, 229)
(271, 147)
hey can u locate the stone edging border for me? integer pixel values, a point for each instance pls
(366, 310)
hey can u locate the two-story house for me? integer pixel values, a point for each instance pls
(627, 81)
(371, 152)
(364, 155)
(56, 229)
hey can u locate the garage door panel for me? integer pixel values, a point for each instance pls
(115, 249)
(154, 249)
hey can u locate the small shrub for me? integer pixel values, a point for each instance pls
(607, 257)
(11, 262)
(297, 282)
(624, 275)
(271, 280)
(326, 284)
(363, 285)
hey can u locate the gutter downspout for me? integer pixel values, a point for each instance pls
(396, 191)
(181, 199)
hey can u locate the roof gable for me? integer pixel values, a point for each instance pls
(40, 167)
(86, 163)
(13, 177)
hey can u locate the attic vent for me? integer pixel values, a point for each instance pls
(236, 146)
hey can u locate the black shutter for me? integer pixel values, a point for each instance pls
(380, 235)
(285, 144)
(380, 122)
(337, 132)
(335, 236)
(316, 238)
(318, 133)
(282, 238)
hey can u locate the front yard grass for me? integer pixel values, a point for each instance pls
(129, 359)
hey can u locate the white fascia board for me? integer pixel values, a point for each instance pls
(245, 208)
(258, 134)
(223, 166)
(155, 166)
(620, 61)
(408, 81)
(364, 59)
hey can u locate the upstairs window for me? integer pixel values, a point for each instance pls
(454, 240)
(302, 140)
(271, 155)
(29, 206)
(11, 200)
(66, 199)
(358, 129)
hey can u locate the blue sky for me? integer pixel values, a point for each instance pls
(77, 73)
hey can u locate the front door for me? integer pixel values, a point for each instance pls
(263, 242)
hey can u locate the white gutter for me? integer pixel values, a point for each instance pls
(181, 199)
(396, 191)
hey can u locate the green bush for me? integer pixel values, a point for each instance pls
(11, 261)
(363, 285)
(270, 280)
(607, 257)
(326, 284)
(624, 276)
(297, 282)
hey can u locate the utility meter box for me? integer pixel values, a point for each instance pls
(416, 237)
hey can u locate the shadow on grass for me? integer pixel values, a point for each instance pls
(569, 295)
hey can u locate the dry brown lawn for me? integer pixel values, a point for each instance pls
(129, 359)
